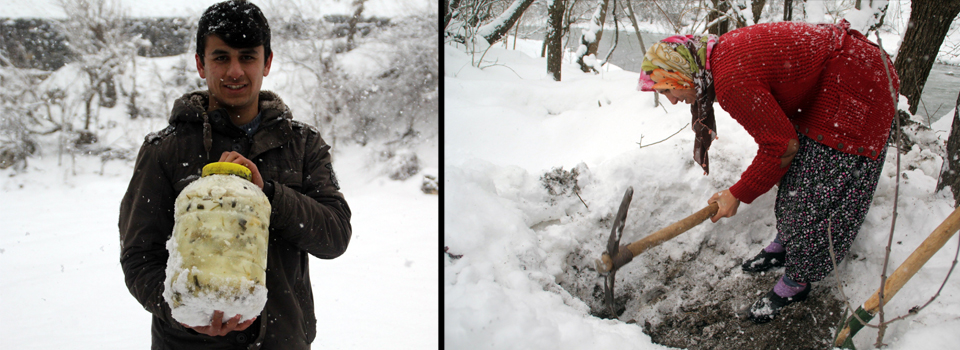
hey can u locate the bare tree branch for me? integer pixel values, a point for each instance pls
(896, 195)
(668, 137)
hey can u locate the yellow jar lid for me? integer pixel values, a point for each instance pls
(227, 168)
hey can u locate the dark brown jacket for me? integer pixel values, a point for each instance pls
(309, 215)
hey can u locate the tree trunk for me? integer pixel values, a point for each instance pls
(448, 11)
(758, 9)
(543, 45)
(950, 170)
(88, 107)
(787, 10)
(643, 48)
(616, 33)
(516, 32)
(132, 109)
(636, 27)
(929, 23)
(352, 23)
(107, 92)
(555, 9)
(495, 30)
(590, 39)
(719, 8)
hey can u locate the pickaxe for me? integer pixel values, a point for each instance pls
(618, 255)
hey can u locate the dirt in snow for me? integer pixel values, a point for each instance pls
(700, 301)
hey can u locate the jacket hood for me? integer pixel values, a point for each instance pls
(191, 107)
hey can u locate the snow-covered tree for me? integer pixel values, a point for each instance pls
(867, 17)
(496, 29)
(586, 55)
(357, 13)
(467, 21)
(21, 107)
(718, 21)
(950, 170)
(738, 13)
(384, 88)
(95, 33)
(401, 103)
(448, 6)
(310, 45)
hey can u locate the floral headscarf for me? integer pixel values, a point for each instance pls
(683, 62)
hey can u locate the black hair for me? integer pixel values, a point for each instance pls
(238, 23)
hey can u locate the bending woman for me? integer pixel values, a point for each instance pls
(817, 100)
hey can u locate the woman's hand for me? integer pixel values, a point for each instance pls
(727, 202)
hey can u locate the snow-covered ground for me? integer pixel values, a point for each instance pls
(513, 247)
(63, 287)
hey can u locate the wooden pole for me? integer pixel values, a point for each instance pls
(907, 269)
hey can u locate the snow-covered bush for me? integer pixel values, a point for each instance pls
(399, 163)
(404, 98)
(382, 88)
(21, 114)
(560, 182)
(430, 184)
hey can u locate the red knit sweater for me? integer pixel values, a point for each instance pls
(781, 79)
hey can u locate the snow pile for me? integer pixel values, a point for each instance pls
(218, 251)
(518, 271)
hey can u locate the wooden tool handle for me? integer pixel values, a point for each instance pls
(916, 260)
(667, 233)
(900, 276)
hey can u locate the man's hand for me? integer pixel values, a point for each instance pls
(234, 157)
(727, 202)
(218, 328)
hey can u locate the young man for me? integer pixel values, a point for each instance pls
(234, 121)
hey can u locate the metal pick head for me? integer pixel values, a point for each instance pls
(613, 243)
(608, 292)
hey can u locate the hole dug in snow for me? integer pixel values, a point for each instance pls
(700, 301)
(689, 292)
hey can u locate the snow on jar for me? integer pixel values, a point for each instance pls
(218, 250)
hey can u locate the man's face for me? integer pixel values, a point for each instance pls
(233, 75)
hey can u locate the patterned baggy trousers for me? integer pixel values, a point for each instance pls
(824, 189)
